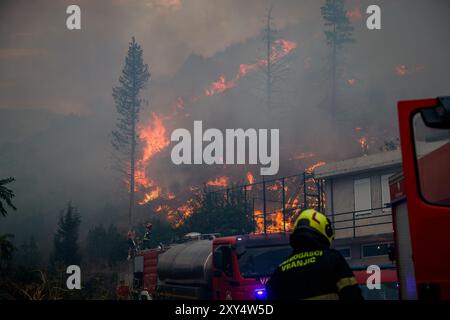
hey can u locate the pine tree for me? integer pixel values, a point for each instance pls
(338, 32)
(65, 241)
(6, 246)
(135, 75)
(6, 195)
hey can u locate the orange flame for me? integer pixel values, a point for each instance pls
(250, 178)
(315, 166)
(154, 139)
(274, 222)
(218, 182)
(150, 196)
(364, 143)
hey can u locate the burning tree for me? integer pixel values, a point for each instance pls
(135, 75)
(338, 32)
(274, 64)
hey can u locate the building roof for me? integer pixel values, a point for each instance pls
(376, 161)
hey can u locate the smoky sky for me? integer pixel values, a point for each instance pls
(57, 112)
(43, 65)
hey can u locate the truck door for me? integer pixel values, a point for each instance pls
(425, 143)
(223, 272)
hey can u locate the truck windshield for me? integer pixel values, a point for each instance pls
(432, 148)
(262, 261)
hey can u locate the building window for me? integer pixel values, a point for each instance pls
(374, 250)
(385, 193)
(363, 197)
(346, 252)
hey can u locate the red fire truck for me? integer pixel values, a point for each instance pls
(421, 200)
(210, 267)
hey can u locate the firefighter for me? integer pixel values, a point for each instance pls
(131, 235)
(147, 235)
(313, 270)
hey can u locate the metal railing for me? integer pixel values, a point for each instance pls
(351, 223)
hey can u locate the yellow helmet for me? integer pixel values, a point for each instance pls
(315, 221)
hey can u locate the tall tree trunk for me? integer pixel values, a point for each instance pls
(132, 158)
(333, 76)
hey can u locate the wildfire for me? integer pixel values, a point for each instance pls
(154, 140)
(280, 49)
(218, 182)
(180, 215)
(315, 166)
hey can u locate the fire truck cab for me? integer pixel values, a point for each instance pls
(243, 264)
(421, 200)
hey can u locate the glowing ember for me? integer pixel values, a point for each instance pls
(274, 187)
(364, 144)
(280, 49)
(218, 182)
(401, 70)
(354, 14)
(250, 178)
(170, 196)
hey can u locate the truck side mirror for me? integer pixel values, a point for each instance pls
(439, 116)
